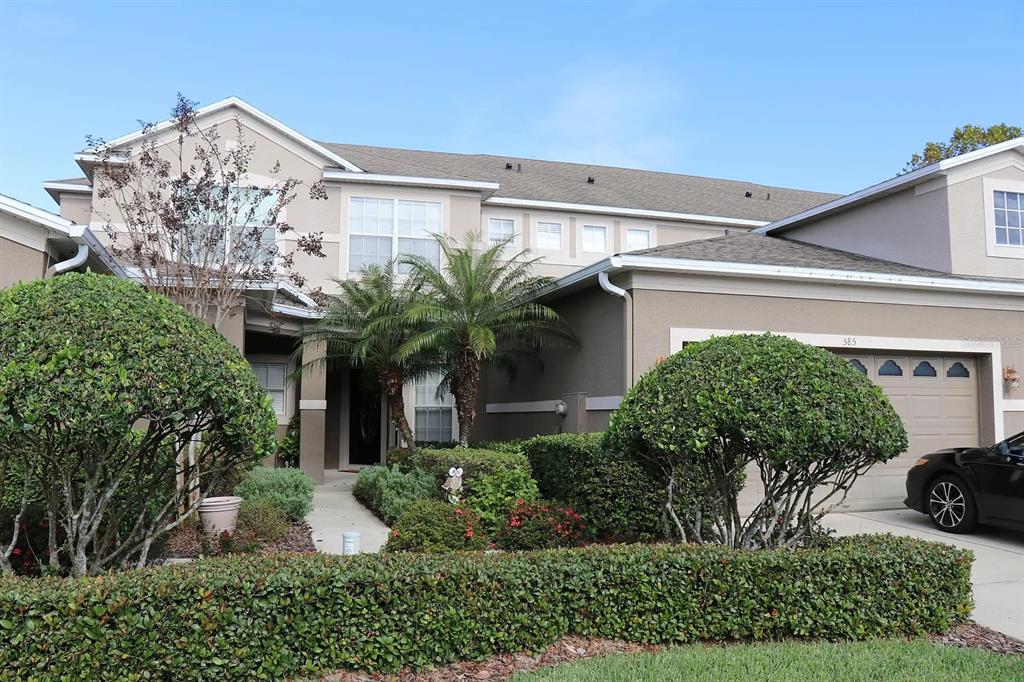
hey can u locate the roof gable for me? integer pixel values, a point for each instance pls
(217, 107)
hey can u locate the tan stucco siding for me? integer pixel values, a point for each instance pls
(910, 227)
(596, 368)
(76, 207)
(20, 263)
(969, 224)
(657, 312)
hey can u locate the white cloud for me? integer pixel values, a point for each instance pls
(611, 114)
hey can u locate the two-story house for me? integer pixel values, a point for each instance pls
(918, 280)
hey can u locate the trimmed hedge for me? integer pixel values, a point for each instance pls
(291, 490)
(617, 497)
(272, 616)
(388, 491)
(437, 527)
(475, 463)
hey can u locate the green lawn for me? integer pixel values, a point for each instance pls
(874, 661)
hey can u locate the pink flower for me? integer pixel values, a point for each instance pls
(16, 551)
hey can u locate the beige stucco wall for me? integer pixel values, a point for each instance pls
(908, 227)
(656, 312)
(76, 207)
(20, 263)
(596, 367)
(969, 224)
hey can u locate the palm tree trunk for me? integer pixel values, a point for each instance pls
(392, 382)
(465, 394)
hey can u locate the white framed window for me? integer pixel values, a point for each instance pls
(595, 238)
(382, 229)
(1008, 218)
(273, 377)
(500, 230)
(246, 209)
(549, 236)
(637, 239)
(434, 414)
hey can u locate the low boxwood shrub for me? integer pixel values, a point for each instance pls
(289, 489)
(261, 519)
(617, 497)
(493, 495)
(434, 526)
(540, 525)
(265, 616)
(388, 491)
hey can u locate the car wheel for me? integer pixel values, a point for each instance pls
(951, 505)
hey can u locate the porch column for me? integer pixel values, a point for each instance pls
(313, 413)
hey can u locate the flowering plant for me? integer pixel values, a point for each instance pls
(540, 525)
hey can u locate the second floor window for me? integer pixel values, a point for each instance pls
(382, 229)
(241, 226)
(549, 236)
(637, 239)
(500, 229)
(595, 238)
(1009, 218)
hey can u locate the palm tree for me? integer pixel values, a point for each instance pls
(366, 325)
(478, 307)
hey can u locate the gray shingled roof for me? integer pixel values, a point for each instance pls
(758, 249)
(567, 182)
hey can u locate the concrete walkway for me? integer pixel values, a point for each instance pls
(997, 574)
(336, 511)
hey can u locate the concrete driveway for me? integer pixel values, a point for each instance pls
(998, 572)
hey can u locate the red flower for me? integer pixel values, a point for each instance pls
(515, 522)
(469, 531)
(394, 533)
(17, 551)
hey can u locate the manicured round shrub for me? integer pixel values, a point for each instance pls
(83, 359)
(540, 525)
(803, 416)
(618, 498)
(290, 490)
(433, 527)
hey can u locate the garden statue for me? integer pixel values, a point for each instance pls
(453, 485)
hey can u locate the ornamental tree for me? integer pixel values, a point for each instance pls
(804, 418)
(103, 385)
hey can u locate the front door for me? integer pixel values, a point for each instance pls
(364, 419)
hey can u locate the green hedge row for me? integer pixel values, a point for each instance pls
(475, 463)
(618, 499)
(272, 616)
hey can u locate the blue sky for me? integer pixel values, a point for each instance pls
(825, 96)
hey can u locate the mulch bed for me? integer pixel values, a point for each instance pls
(186, 542)
(567, 649)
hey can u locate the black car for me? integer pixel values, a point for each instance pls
(962, 487)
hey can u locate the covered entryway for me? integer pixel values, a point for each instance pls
(936, 396)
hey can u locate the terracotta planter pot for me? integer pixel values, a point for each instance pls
(218, 514)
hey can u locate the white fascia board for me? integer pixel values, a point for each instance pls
(411, 180)
(67, 187)
(40, 217)
(296, 311)
(728, 269)
(889, 186)
(818, 274)
(618, 210)
(247, 108)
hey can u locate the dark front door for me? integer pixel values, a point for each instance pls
(364, 419)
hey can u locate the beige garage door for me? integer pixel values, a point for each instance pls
(937, 398)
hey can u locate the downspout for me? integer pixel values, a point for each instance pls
(71, 263)
(602, 279)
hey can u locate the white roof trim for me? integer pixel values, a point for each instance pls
(296, 311)
(888, 186)
(417, 181)
(751, 270)
(618, 210)
(38, 216)
(79, 234)
(247, 108)
(67, 187)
